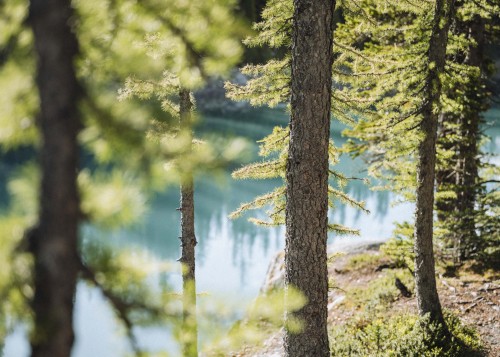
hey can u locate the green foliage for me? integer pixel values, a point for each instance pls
(381, 292)
(17, 99)
(403, 335)
(381, 66)
(111, 199)
(269, 84)
(16, 288)
(113, 45)
(122, 276)
(274, 147)
(174, 33)
(181, 154)
(488, 223)
(362, 261)
(274, 150)
(382, 71)
(400, 247)
(149, 39)
(263, 317)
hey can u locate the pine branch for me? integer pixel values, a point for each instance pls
(194, 56)
(121, 307)
(346, 199)
(365, 14)
(342, 230)
(342, 177)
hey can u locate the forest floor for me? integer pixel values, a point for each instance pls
(472, 296)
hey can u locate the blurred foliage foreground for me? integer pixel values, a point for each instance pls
(125, 280)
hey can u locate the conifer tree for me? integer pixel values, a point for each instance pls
(386, 34)
(391, 67)
(269, 84)
(54, 239)
(188, 240)
(300, 152)
(307, 174)
(425, 279)
(466, 97)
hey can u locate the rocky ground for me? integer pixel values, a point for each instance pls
(473, 297)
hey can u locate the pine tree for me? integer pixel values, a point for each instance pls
(298, 153)
(54, 239)
(385, 137)
(307, 174)
(392, 72)
(188, 241)
(425, 276)
(466, 96)
(269, 84)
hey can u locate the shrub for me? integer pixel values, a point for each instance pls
(403, 335)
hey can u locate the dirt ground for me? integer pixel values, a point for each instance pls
(474, 298)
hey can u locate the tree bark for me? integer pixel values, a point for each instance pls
(425, 279)
(54, 240)
(188, 244)
(307, 174)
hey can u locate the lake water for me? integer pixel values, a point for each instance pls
(232, 256)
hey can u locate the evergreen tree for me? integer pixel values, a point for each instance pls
(385, 72)
(270, 84)
(307, 174)
(398, 74)
(300, 155)
(466, 97)
(188, 241)
(390, 54)
(54, 238)
(425, 276)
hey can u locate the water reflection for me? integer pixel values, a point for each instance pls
(232, 256)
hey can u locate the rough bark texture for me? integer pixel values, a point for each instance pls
(460, 173)
(307, 173)
(425, 279)
(54, 240)
(188, 244)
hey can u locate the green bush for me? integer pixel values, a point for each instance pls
(400, 247)
(364, 261)
(403, 335)
(381, 292)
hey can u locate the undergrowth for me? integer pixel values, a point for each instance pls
(379, 293)
(376, 331)
(402, 335)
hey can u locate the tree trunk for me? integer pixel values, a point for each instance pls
(307, 174)
(188, 244)
(54, 240)
(425, 279)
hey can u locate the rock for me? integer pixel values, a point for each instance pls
(275, 275)
(212, 98)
